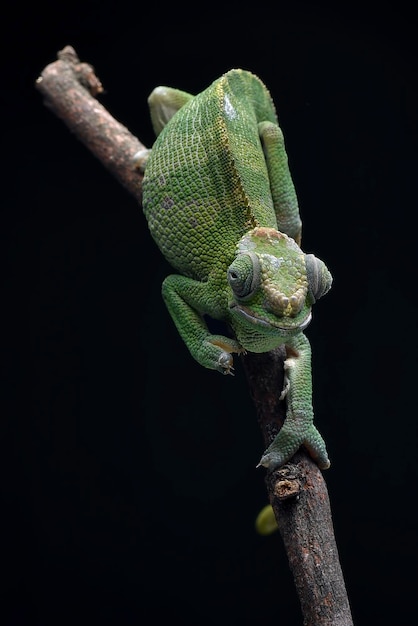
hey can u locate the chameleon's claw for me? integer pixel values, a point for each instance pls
(225, 363)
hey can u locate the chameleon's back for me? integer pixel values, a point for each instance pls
(206, 181)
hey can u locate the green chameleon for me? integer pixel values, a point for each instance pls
(221, 206)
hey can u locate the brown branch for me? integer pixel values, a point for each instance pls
(299, 497)
(70, 89)
(296, 491)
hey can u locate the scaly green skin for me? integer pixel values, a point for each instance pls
(221, 205)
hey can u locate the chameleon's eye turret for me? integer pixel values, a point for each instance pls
(244, 275)
(319, 277)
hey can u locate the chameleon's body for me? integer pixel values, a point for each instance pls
(220, 204)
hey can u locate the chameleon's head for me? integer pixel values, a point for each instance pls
(274, 285)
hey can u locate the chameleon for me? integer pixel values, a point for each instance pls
(220, 204)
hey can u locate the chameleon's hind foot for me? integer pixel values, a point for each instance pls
(288, 441)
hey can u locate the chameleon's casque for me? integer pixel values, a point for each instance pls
(221, 205)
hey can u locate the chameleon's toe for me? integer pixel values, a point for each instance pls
(225, 363)
(315, 445)
(275, 457)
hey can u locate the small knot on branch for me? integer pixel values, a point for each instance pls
(287, 482)
(69, 55)
(84, 71)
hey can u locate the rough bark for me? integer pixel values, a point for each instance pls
(296, 491)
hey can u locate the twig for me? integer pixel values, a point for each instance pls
(296, 491)
(70, 89)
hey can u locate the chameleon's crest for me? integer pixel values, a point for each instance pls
(283, 272)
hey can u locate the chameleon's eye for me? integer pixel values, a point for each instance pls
(319, 277)
(244, 275)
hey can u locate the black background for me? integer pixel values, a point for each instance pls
(129, 488)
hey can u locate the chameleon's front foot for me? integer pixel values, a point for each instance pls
(218, 350)
(225, 363)
(288, 441)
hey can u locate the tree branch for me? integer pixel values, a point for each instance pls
(296, 491)
(70, 89)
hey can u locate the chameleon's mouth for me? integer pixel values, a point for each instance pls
(259, 321)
